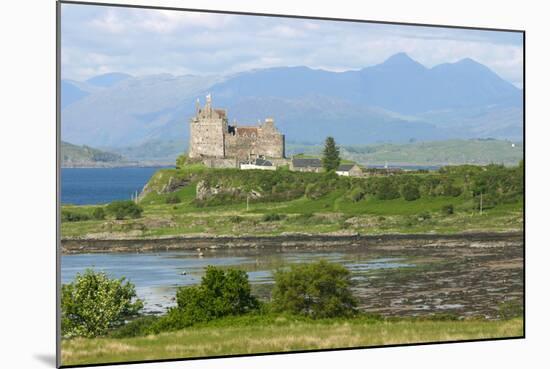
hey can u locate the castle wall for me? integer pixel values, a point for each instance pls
(253, 142)
(207, 138)
(272, 143)
(211, 137)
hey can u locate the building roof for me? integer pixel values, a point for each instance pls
(345, 167)
(304, 163)
(221, 112)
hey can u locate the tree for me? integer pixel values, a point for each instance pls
(220, 293)
(331, 155)
(317, 290)
(386, 189)
(410, 191)
(123, 209)
(93, 303)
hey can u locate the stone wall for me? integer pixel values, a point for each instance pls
(251, 142)
(220, 162)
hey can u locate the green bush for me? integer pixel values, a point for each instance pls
(317, 290)
(451, 190)
(304, 218)
(220, 293)
(123, 209)
(356, 194)
(424, 216)
(315, 191)
(235, 219)
(98, 213)
(410, 192)
(138, 327)
(386, 189)
(172, 199)
(448, 209)
(70, 216)
(175, 319)
(273, 217)
(93, 303)
(180, 161)
(510, 309)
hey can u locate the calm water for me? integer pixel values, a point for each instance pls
(157, 275)
(83, 186)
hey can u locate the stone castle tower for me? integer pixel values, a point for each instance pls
(212, 137)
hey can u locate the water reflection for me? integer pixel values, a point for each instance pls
(157, 275)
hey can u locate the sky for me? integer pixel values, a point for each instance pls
(99, 39)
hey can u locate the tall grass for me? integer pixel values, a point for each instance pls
(250, 334)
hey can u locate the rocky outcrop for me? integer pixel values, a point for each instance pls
(173, 184)
(206, 191)
(294, 240)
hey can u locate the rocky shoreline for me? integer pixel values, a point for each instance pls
(192, 242)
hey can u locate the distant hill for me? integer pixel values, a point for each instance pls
(159, 151)
(85, 156)
(108, 79)
(450, 152)
(396, 101)
(70, 93)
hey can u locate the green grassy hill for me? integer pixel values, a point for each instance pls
(199, 200)
(449, 152)
(85, 156)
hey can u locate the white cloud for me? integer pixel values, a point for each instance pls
(138, 41)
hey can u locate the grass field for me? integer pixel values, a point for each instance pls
(332, 212)
(251, 334)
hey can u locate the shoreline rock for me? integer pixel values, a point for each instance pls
(191, 242)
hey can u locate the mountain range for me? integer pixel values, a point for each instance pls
(399, 100)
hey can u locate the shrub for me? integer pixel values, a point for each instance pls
(451, 190)
(98, 213)
(424, 216)
(272, 217)
(317, 290)
(175, 319)
(315, 191)
(410, 192)
(235, 219)
(356, 194)
(220, 293)
(304, 218)
(386, 189)
(93, 303)
(180, 161)
(70, 216)
(172, 199)
(138, 327)
(510, 309)
(448, 209)
(123, 209)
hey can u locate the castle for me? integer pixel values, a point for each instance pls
(217, 143)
